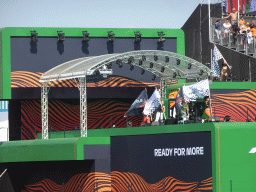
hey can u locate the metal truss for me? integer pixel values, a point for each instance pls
(162, 88)
(44, 110)
(83, 106)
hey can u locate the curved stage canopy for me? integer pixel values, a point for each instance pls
(162, 64)
(166, 65)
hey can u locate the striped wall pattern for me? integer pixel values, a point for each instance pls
(117, 182)
(31, 79)
(236, 105)
(101, 113)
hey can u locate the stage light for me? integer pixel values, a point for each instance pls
(142, 71)
(86, 36)
(154, 77)
(111, 36)
(162, 69)
(143, 58)
(120, 64)
(137, 36)
(61, 36)
(109, 66)
(161, 39)
(97, 72)
(178, 62)
(131, 67)
(174, 75)
(34, 37)
(140, 62)
(155, 57)
(118, 61)
(151, 65)
(130, 60)
(167, 59)
(234, 78)
(201, 72)
(189, 66)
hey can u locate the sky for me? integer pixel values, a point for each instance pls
(96, 13)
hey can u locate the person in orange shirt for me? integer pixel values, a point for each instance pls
(247, 26)
(253, 30)
(172, 95)
(241, 22)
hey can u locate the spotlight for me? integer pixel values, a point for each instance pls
(111, 36)
(151, 65)
(201, 72)
(109, 66)
(130, 60)
(140, 62)
(155, 57)
(174, 75)
(97, 72)
(161, 39)
(121, 64)
(234, 78)
(131, 67)
(178, 61)
(162, 69)
(167, 59)
(34, 37)
(216, 79)
(118, 61)
(143, 58)
(86, 36)
(154, 77)
(142, 71)
(189, 66)
(246, 79)
(61, 36)
(137, 36)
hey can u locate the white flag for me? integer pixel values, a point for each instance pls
(200, 89)
(152, 104)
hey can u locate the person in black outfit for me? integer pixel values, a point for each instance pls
(235, 32)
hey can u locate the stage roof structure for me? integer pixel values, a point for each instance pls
(163, 64)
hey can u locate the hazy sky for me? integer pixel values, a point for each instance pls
(96, 13)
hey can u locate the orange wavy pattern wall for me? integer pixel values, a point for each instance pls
(118, 182)
(31, 79)
(101, 113)
(235, 105)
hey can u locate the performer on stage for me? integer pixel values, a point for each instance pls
(208, 107)
(173, 95)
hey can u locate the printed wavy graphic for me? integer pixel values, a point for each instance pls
(235, 105)
(117, 182)
(31, 79)
(102, 113)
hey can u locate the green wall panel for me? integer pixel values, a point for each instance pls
(9, 32)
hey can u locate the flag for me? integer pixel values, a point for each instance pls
(216, 56)
(134, 109)
(152, 104)
(192, 92)
(200, 89)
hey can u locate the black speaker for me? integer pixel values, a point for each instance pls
(171, 121)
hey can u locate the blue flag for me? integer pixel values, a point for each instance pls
(134, 109)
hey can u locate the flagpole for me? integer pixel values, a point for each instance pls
(210, 98)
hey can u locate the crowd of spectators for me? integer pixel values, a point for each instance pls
(241, 31)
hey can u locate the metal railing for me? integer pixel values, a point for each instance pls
(240, 42)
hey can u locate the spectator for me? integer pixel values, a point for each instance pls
(235, 31)
(218, 28)
(241, 22)
(233, 16)
(253, 30)
(247, 26)
(224, 71)
(252, 24)
(242, 35)
(226, 27)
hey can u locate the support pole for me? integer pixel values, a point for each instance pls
(44, 110)
(162, 88)
(83, 107)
